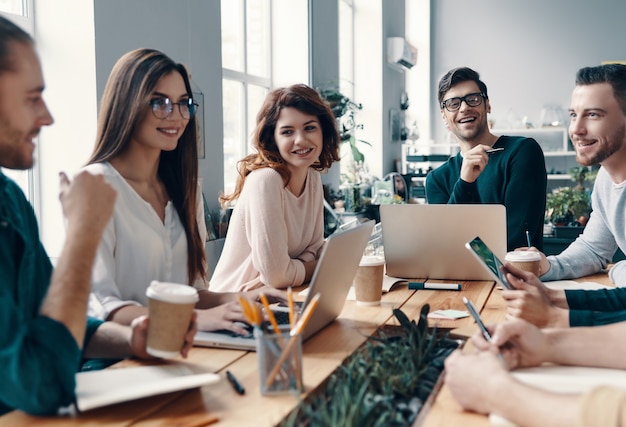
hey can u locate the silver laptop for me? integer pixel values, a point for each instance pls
(428, 241)
(332, 279)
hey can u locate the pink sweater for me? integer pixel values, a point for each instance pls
(271, 232)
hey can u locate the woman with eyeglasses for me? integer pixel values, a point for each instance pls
(277, 226)
(146, 148)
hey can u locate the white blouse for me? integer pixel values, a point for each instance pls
(137, 248)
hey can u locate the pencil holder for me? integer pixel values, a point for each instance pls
(280, 362)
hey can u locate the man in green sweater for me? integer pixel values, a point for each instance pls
(489, 169)
(45, 330)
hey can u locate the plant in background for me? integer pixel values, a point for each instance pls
(571, 205)
(344, 109)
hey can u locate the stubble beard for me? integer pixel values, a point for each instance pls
(12, 150)
(612, 145)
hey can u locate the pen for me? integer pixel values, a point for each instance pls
(236, 384)
(435, 286)
(494, 150)
(528, 239)
(479, 322)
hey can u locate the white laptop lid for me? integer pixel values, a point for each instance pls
(332, 279)
(428, 241)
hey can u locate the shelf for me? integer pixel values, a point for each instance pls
(559, 153)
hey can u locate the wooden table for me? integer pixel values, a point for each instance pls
(323, 352)
(446, 411)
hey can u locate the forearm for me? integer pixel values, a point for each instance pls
(579, 346)
(208, 299)
(66, 300)
(126, 314)
(111, 341)
(532, 407)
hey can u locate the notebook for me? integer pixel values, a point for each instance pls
(108, 386)
(428, 241)
(332, 279)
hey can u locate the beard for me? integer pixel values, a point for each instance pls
(611, 145)
(14, 153)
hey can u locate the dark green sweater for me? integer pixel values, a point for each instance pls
(515, 178)
(38, 356)
(599, 307)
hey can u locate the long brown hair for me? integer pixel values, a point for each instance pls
(304, 99)
(124, 102)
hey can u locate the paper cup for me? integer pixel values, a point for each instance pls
(170, 308)
(368, 281)
(525, 260)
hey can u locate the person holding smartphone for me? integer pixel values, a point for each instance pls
(522, 344)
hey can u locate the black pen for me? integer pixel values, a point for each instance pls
(236, 385)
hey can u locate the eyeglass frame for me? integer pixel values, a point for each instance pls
(481, 97)
(189, 103)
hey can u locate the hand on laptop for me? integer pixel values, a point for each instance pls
(227, 316)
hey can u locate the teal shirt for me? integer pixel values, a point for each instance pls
(38, 356)
(515, 178)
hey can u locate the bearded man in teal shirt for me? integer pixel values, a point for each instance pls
(45, 332)
(489, 169)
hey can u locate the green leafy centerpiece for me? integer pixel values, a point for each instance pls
(386, 382)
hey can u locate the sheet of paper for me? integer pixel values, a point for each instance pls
(571, 284)
(108, 386)
(448, 314)
(565, 379)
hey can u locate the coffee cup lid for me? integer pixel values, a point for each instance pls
(523, 256)
(371, 260)
(172, 292)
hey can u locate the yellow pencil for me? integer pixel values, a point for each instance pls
(247, 310)
(306, 316)
(270, 315)
(292, 314)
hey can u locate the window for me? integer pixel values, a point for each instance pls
(246, 59)
(346, 48)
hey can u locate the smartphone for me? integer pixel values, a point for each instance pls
(476, 316)
(488, 260)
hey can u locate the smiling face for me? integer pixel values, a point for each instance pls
(22, 109)
(597, 126)
(468, 124)
(163, 134)
(299, 139)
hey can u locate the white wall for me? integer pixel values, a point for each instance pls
(527, 52)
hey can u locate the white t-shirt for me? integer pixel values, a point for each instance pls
(137, 248)
(271, 233)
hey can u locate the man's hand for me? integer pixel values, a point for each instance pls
(521, 343)
(532, 300)
(474, 379)
(139, 337)
(87, 202)
(474, 162)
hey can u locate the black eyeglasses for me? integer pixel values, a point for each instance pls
(471, 99)
(162, 107)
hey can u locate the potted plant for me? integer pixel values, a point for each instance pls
(384, 383)
(355, 176)
(568, 208)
